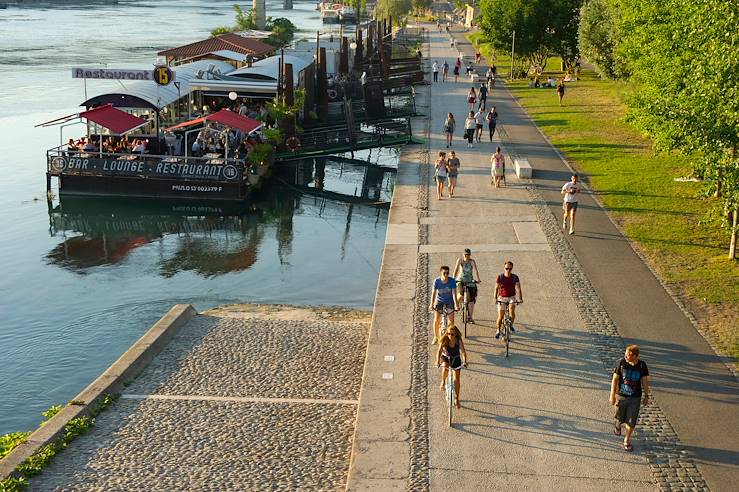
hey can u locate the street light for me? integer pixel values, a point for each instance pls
(232, 95)
(353, 45)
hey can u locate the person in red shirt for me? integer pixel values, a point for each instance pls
(507, 288)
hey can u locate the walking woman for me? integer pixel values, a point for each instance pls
(451, 355)
(561, 91)
(457, 66)
(452, 165)
(497, 168)
(469, 128)
(450, 125)
(440, 174)
(472, 97)
(492, 119)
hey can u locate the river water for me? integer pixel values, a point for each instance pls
(84, 279)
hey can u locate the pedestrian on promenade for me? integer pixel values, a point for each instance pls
(507, 289)
(561, 91)
(451, 355)
(469, 128)
(457, 66)
(452, 165)
(630, 381)
(478, 56)
(479, 124)
(489, 77)
(440, 174)
(450, 125)
(442, 297)
(471, 98)
(465, 272)
(435, 70)
(569, 204)
(497, 167)
(483, 91)
(445, 71)
(492, 119)
(471, 72)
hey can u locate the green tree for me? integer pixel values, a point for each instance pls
(597, 36)
(684, 61)
(542, 27)
(397, 9)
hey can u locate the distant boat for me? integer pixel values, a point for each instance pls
(347, 15)
(330, 13)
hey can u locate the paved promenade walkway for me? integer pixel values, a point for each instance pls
(540, 419)
(241, 399)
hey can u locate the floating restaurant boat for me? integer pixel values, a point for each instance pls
(330, 12)
(164, 167)
(347, 15)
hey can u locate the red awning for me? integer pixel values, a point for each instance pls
(115, 120)
(234, 120)
(185, 124)
(225, 118)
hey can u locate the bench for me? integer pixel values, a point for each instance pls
(523, 168)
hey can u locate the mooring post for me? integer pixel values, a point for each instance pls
(322, 86)
(344, 56)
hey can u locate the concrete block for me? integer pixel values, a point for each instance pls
(523, 168)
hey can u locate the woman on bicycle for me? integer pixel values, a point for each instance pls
(451, 354)
(465, 272)
(443, 298)
(440, 174)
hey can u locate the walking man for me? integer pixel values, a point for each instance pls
(507, 289)
(483, 91)
(492, 119)
(569, 205)
(435, 69)
(630, 382)
(445, 71)
(479, 124)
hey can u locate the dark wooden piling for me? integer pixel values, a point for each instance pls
(344, 56)
(322, 83)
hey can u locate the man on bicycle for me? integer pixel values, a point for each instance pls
(442, 297)
(463, 272)
(507, 290)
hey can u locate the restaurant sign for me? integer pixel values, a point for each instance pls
(164, 168)
(124, 74)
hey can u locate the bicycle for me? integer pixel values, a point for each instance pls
(465, 306)
(449, 388)
(445, 312)
(507, 324)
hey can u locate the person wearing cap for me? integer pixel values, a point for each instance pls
(465, 272)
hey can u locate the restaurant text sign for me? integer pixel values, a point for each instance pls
(120, 74)
(148, 168)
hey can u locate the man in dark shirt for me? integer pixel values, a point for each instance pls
(630, 381)
(483, 95)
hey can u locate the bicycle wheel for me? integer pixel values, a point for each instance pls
(450, 393)
(507, 334)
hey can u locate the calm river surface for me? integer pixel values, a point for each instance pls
(82, 281)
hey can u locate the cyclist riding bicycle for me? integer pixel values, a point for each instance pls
(450, 354)
(442, 297)
(507, 290)
(463, 272)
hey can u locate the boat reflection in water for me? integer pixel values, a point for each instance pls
(216, 238)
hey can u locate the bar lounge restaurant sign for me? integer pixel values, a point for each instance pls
(116, 74)
(157, 169)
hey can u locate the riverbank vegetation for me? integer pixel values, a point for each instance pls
(281, 29)
(43, 456)
(659, 146)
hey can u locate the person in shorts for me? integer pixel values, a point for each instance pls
(440, 174)
(479, 124)
(452, 355)
(445, 71)
(629, 388)
(507, 289)
(465, 272)
(442, 296)
(569, 204)
(452, 165)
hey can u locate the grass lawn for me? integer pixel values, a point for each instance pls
(666, 219)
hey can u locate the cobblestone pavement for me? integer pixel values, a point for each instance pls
(230, 404)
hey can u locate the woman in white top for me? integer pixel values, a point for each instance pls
(469, 128)
(479, 123)
(497, 168)
(472, 97)
(440, 174)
